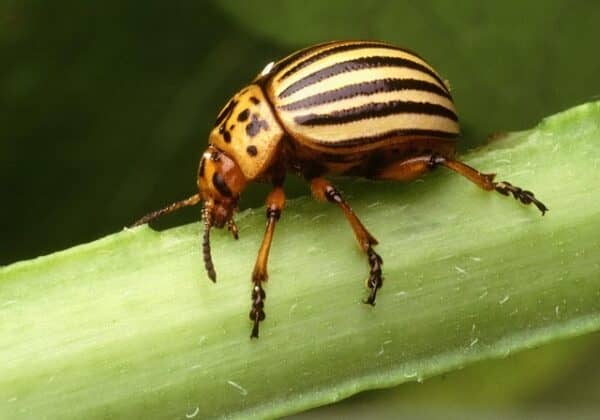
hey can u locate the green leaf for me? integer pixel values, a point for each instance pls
(129, 326)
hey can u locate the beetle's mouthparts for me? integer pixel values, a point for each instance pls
(208, 264)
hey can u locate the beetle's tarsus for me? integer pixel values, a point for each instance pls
(254, 333)
(256, 313)
(524, 196)
(375, 280)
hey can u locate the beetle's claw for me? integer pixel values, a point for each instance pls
(371, 299)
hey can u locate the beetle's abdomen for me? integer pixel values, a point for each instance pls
(360, 95)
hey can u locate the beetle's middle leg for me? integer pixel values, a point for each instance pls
(275, 202)
(416, 166)
(324, 190)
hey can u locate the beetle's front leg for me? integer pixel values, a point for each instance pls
(275, 202)
(324, 190)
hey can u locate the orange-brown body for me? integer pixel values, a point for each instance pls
(355, 108)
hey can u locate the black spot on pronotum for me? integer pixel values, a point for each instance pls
(256, 125)
(252, 129)
(251, 150)
(254, 100)
(220, 185)
(243, 116)
(227, 137)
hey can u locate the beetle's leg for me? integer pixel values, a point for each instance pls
(486, 181)
(412, 168)
(275, 202)
(323, 190)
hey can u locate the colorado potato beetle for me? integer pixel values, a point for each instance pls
(354, 108)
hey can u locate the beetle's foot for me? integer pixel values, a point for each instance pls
(525, 197)
(232, 227)
(375, 280)
(256, 313)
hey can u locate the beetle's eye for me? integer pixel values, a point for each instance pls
(220, 185)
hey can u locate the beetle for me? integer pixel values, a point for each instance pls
(353, 108)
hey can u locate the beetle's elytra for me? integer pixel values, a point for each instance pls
(355, 108)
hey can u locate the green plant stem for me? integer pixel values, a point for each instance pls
(129, 325)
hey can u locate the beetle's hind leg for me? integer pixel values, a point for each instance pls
(486, 181)
(412, 168)
(324, 190)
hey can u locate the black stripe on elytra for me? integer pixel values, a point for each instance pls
(298, 55)
(357, 64)
(337, 49)
(226, 112)
(220, 185)
(375, 110)
(403, 132)
(363, 89)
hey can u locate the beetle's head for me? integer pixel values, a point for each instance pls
(220, 182)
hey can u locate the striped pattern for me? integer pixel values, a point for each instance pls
(352, 94)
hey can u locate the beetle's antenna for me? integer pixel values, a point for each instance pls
(190, 201)
(208, 264)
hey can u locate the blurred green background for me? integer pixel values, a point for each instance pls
(105, 110)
